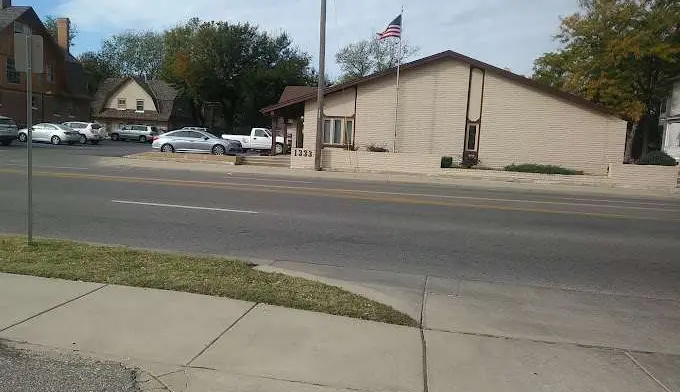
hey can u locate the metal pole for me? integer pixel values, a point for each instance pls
(29, 130)
(396, 99)
(322, 83)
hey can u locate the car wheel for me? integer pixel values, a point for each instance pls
(95, 142)
(23, 137)
(55, 140)
(115, 137)
(219, 150)
(83, 139)
(167, 148)
(142, 139)
(278, 149)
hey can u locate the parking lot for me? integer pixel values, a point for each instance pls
(106, 148)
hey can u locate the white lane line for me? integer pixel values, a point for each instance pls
(140, 203)
(47, 167)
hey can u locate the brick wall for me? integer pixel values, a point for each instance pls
(644, 176)
(523, 125)
(364, 161)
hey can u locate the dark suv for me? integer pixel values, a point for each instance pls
(8, 131)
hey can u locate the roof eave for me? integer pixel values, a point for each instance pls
(459, 57)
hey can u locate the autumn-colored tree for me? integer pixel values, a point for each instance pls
(621, 54)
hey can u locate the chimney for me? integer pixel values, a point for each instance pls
(6, 4)
(63, 33)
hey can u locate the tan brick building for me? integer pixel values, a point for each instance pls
(60, 93)
(453, 105)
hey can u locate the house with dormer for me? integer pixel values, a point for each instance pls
(131, 100)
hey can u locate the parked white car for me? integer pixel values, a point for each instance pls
(51, 133)
(89, 132)
(259, 139)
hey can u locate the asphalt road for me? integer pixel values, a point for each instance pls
(24, 371)
(614, 244)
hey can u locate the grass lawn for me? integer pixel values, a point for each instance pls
(202, 275)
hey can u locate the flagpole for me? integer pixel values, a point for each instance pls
(396, 99)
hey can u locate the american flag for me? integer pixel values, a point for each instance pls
(392, 30)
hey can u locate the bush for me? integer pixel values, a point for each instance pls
(543, 169)
(374, 148)
(447, 162)
(659, 158)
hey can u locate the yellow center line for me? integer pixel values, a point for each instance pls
(365, 195)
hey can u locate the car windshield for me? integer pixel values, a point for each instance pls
(208, 135)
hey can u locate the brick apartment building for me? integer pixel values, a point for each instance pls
(60, 93)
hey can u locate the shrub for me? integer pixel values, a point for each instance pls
(374, 148)
(543, 169)
(659, 158)
(447, 162)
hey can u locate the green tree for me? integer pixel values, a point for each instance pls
(371, 55)
(96, 70)
(134, 53)
(51, 26)
(621, 54)
(234, 66)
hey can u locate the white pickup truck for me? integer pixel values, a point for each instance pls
(259, 139)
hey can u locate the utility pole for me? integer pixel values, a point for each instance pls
(322, 84)
(29, 131)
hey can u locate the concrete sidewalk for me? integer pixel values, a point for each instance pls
(476, 337)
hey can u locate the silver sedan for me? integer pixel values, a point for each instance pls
(195, 141)
(51, 133)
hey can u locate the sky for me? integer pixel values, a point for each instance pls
(505, 33)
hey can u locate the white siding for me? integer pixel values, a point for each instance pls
(524, 125)
(674, 102)
(131, 91)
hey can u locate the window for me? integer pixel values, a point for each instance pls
(122, 104)
(349, 132)
(471, 138)
(327, 131)
(50, 73)
(34, 102)
(12, 75)
(140, 105)
(194, 135)
(260, 133)
(338, 131)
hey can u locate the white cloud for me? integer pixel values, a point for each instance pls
(503, 32)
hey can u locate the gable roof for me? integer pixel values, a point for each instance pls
(449, 55)
(75, 77)
(10, 14)
(162, 93)
(293, 92)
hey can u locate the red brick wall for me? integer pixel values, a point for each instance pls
(52, 103)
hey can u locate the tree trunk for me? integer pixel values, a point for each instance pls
(645, 139)
(630, 139)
